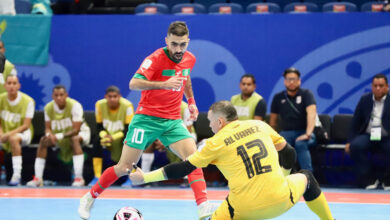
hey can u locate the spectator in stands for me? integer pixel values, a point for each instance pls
(9, 69)
(16, 113)
(7, 7)
(66, 129)
(113, 115)
(249, 104)
(370, 130)
(297, 110)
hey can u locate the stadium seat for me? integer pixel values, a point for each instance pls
(340, 130)
(359, 3)
(225, 8)
(202, 127)
(171, 3)
(282, 3)
(319, 3)
(23, 6)
(339, 7)
(372, 7)
(301, 7)
(188, 8)
(259, 8)
(151, 9)
(245, 3)
(207, 3)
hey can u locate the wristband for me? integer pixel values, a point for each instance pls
(191, 101)
(154, 176)
(59, 136)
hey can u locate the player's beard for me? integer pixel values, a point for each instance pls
(293, 89)
(178, 56)
(247, 94)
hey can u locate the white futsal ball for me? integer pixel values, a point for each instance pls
(128, 213)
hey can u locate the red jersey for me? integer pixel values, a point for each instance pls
(158, 66)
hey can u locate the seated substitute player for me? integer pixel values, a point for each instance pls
(249, 104)
(245, 154)
(65, 128)
(16, 113)
(163, 77)
(113, 115)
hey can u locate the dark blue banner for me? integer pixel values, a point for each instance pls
(336, 53)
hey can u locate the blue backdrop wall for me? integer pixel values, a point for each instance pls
(336, 53)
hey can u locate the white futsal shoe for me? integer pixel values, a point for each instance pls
(86, 203)
(77, 182)
(206, 210)
(35, 182)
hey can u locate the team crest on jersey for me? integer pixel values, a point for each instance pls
(299, 99)
(178, 73)
(146, 64)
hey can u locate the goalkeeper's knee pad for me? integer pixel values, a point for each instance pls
(313, 188)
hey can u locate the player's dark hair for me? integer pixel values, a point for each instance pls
(113, 89)
(59, 86)
(226, 109)
(2, 62)
(380, 76)
(248, 75)
(178, 28)
(291, 70)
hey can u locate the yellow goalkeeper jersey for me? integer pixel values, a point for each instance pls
(244, 152)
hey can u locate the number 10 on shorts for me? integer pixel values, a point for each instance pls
(138, 136)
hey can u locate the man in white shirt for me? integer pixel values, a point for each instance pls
(370, 131)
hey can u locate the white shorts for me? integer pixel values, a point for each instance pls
(85, 133)
(26, 137)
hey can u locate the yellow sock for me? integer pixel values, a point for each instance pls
(320, 207)
(97, 166)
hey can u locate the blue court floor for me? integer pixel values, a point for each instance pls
(40, 208)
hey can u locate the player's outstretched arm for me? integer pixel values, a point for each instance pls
(170, 171)
(174, 82)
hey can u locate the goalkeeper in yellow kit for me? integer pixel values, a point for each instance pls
(246, 154)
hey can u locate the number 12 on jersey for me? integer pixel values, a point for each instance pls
(242, 152)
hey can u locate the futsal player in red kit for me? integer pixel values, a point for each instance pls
(163, 78)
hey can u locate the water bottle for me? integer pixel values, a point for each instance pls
(3, 175)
